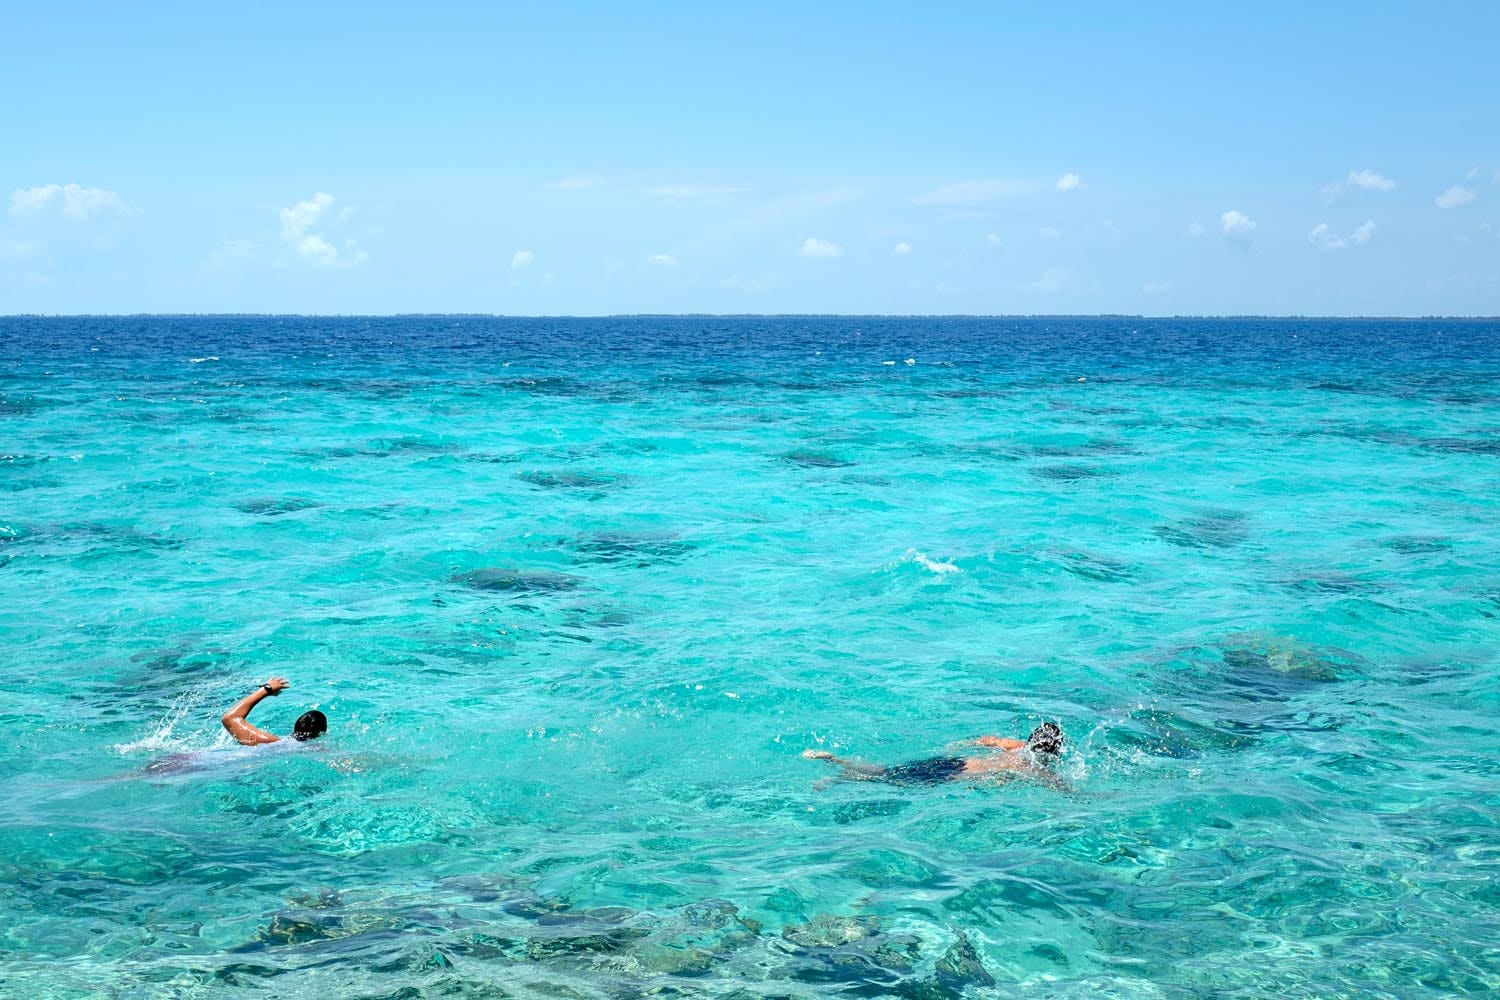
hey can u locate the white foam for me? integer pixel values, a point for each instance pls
(163, 736)
(199, 361)
(935, 565)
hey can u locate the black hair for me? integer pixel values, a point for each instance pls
(310, 725)
(1046, 738)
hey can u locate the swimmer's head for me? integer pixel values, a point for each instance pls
(310, 725)
(1046, 738)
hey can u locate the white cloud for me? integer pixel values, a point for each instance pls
(901, 249)
(298, 219)
(1359, 180)
(1454, 197)
(1473, 173)
(993, 239)
(1054, 279)
(318, 250)
(1156, 287)
(520, 259)
(662, 260)
(1326, 239)
(818, 249)
(312, 247)
(1049, 233)
(1194, 230)
(980, 192)
(1069, 182)
(1236, 225)
(78, 203)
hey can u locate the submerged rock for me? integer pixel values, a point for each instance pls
(825, 931)
(518, 581)
(1068, 473)
(961, 967)
(1214, 530)
(816, 460)
(275, 506)
(568, 480)
(1288, 656)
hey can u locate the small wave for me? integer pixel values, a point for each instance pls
(199, 361)
(935, 565)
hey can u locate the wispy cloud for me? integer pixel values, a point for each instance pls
(1054, 279)
(695, 192)
(520, 259)
(1454, 197)
(901, 249)
(993, 240)
(739, 284)
(1195, 230)
(1156, 287)
(1069, 182)
(1359, 180)
(78, 204)
(13, 250)
(1236, 225)
(231, 254)
(1049, 233)
(662, 260)
(819, 249)
(577, 182)
(980, 192)
(1326, 239)
(788, 210)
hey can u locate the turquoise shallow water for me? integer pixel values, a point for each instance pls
(575, 595)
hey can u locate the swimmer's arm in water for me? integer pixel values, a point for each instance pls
(1002, 742)
(239, 726)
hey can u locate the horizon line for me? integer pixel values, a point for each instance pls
(781, 315)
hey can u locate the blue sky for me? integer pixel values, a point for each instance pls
(857, 158)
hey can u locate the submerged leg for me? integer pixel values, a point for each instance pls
(853, 770)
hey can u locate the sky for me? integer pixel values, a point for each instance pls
(585, 159)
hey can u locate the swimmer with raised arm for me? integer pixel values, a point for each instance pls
(309, 725)
(1032, 757)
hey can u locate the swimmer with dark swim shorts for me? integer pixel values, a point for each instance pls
(1031, 757)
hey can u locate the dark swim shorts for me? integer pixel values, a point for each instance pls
(925, 772)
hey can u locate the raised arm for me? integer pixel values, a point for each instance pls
(239, 726)
(1003, 742)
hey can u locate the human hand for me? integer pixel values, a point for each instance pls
(276, 685)
(990, 741)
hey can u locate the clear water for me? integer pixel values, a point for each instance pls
(576, 593)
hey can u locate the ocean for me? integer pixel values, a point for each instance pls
(575, 594)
